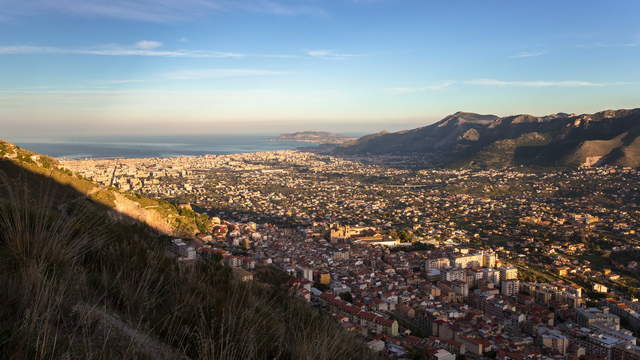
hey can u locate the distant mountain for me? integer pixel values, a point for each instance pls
(466, 139)
(319, 137)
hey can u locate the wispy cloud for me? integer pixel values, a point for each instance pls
(155, 49)
(503, 83)
(411, 90)
(123, 81)
(541, 83)
(527, 54)
(148, 44)
(634, 41)
(161, 10)
(276, 7)
(142, 48)
(609, 45)
(330, 54)
(198, 74)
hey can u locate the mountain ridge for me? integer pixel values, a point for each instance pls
(561, 139)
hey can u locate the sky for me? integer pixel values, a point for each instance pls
(112, 67)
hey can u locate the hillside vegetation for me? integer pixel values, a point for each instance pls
(161, 215)
(80, 283)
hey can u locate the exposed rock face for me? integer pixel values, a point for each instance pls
(471, 135)
(137, 212)
(488, 140)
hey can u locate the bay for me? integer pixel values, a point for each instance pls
(110, 147)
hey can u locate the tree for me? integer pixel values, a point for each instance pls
(405, 236)
(346, 296)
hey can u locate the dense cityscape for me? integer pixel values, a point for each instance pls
(437, 263)
(319, 180)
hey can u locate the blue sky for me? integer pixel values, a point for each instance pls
(74, 67)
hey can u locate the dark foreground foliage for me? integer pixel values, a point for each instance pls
(76, 285)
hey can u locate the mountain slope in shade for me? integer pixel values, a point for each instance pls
(320, 137)
(462, 139)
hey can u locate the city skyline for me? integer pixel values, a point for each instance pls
(141, 67)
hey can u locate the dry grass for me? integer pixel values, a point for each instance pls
(77, 286)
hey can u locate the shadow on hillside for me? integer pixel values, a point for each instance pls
(76, 285)
(62, 198)
(391, 161)
(248, 215)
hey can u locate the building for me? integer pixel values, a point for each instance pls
(600, 288)
(182, 250)
(460, 288)
(341, 233)
(544, 293)
(491, 275)
(625, 352)
(454, 274)
(508, 273)
(553, 339)
(437, 263)
(242, 274)
(439, 354)
(468, 260)
(489, 259)
(510, 287)
(305, 273)
(628, 310)
(591, 317)
(325, 278)
(597, 344)
(375, 324)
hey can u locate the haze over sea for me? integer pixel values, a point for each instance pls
(109, 147)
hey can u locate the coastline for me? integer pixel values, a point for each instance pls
(110, 148)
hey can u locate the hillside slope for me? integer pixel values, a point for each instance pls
(81, 281)
(465, 139)
(161, 215)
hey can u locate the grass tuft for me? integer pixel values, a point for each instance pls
(79, 285)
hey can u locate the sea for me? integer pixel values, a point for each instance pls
(113, 147)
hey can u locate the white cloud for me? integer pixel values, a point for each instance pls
(411, 90)
(143, 48)
(159, 10)
(124, 81)
(148, 44)
(609, 45)
(526, 54)
(196, 74)
(27, 49)
(502, 83)
(566, 83)
(151, 48)
(634, 42)
(277, 7)
(330, 54)
(318, 52)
